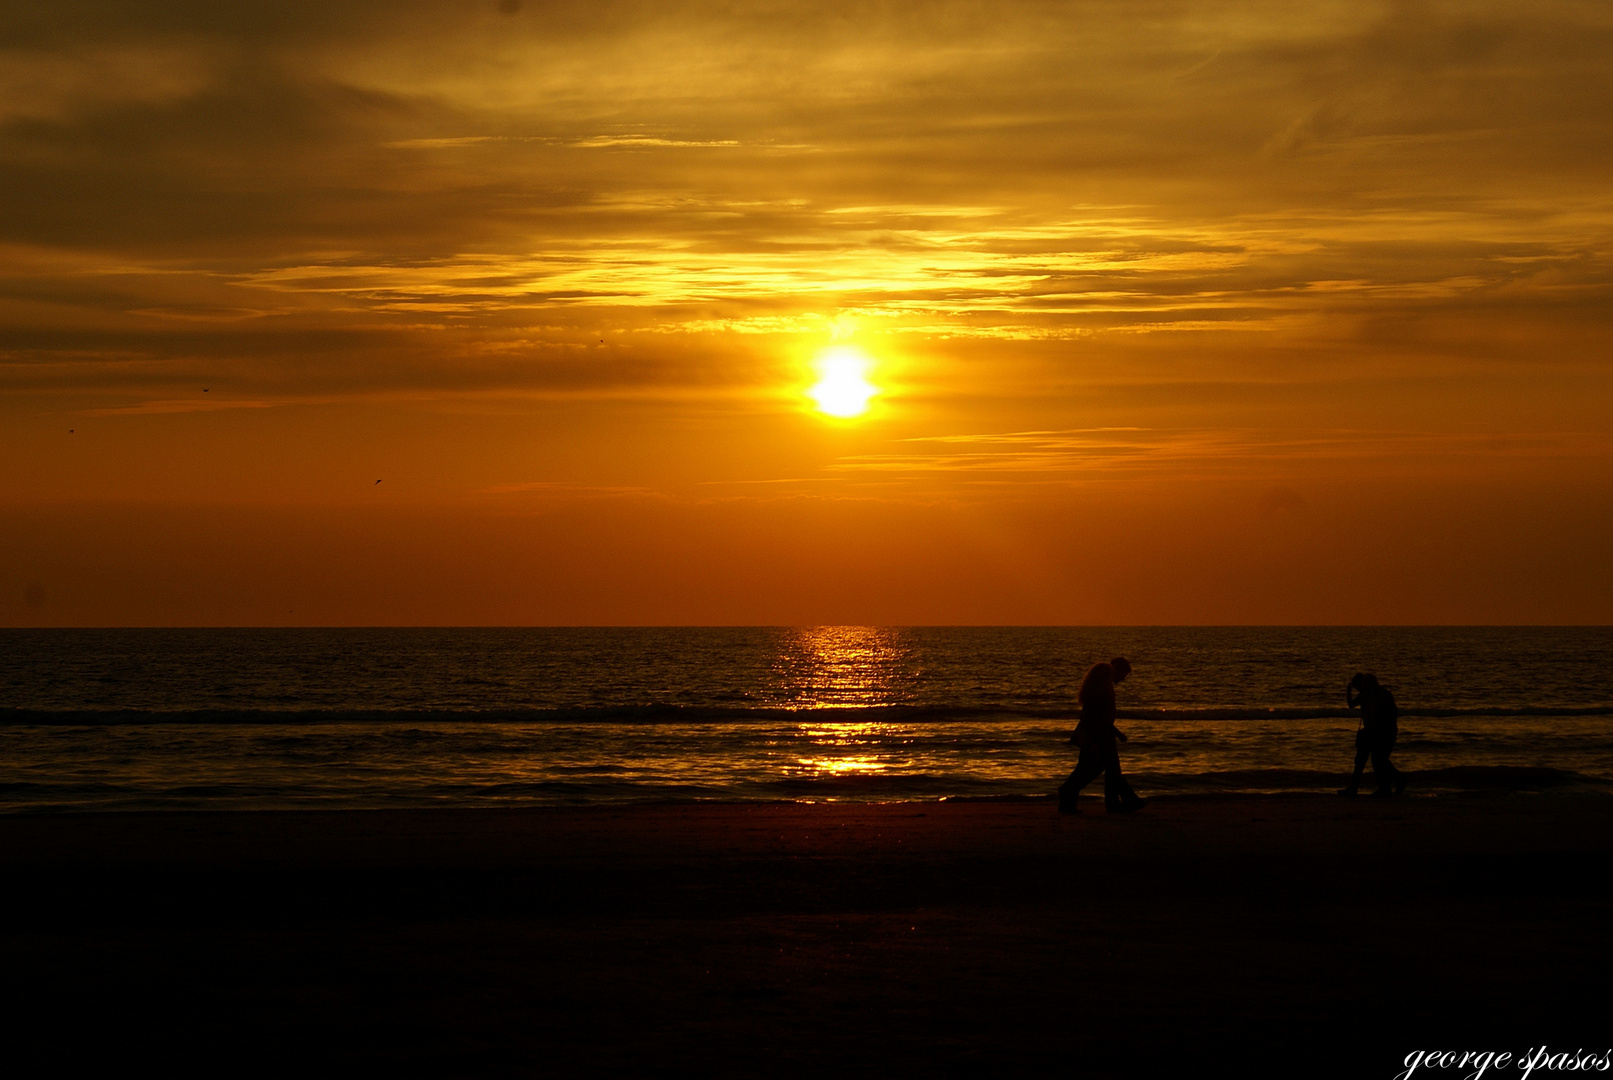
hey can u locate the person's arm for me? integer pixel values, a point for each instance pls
(1350, 700)
(1109, 715)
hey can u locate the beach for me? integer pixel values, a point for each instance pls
(1306, 935)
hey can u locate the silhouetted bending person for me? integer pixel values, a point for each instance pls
(1380, 727)
(1097, 738)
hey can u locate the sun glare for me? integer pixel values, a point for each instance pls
(843, 388)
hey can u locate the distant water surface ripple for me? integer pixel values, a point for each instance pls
(120, 719)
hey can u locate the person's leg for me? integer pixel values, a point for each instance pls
(1117, 792)
(1380, 771)
(1384, 772)
(1361, 752)
(1087, 767)
(1396, 777)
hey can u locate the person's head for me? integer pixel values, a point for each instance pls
(1364, 682)
(1121, 667)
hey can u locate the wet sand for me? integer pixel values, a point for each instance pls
(1303, 936)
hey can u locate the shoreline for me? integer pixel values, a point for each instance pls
(1536, 783)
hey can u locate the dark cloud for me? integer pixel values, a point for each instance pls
(297, 188)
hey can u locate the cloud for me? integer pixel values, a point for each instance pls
(1061, 456)
(1014, 173)
(54, 86)
(571, 263)
(556, 490)
(187, 405)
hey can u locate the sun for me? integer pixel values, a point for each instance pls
(843, 388)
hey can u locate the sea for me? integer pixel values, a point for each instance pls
(148, 719)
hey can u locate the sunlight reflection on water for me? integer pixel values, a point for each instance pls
(843, 766)
(846, 667)
(370, 718)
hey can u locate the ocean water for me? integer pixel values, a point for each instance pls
(196, 718)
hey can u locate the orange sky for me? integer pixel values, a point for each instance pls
(1180, 312)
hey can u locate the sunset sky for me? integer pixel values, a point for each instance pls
(1176, 312)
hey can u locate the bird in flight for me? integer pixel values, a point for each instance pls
(377, 482)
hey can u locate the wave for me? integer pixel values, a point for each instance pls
(712, 714)
(607, 714)
(1309, 713)
(1457, 781)
(1460, 778)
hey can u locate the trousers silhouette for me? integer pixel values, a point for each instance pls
(1378, 748)
(1101, 756)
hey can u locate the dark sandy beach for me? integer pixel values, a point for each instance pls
(1304, 936)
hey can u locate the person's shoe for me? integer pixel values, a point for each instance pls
(1068, 807)
(1126, 807)
(1383, 793)
(1400, 784)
